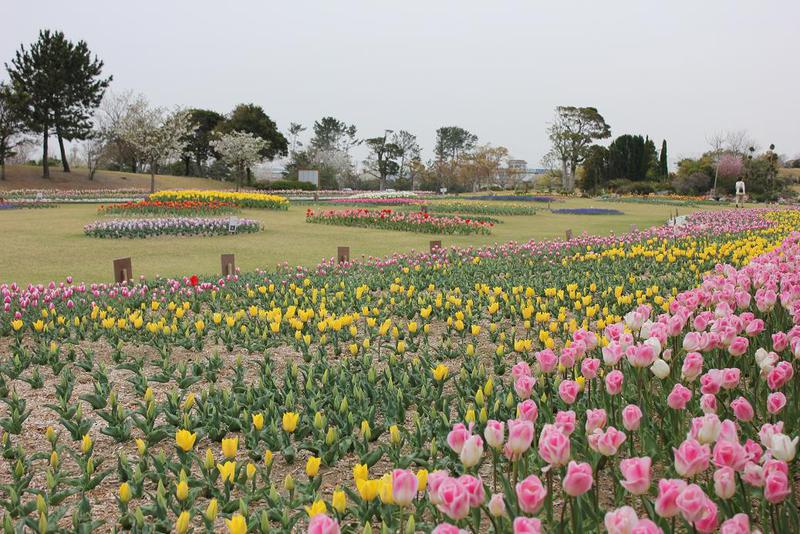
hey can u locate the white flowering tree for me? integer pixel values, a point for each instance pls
(240, 151)
(155, 134)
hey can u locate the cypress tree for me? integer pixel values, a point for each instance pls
(662, 162)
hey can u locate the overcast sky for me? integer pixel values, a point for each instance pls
(679, 69)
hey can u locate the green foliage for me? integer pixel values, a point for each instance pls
(252, 119)
(632, 157)
(60, 85)
(198, 144)
(663, 165)
(281, 185)
(452, 142)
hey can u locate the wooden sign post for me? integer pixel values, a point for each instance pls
(435, 245)
(343, 254)
(123, 270)
(228, 264)
(569, 234)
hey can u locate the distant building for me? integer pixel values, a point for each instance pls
(518, 171)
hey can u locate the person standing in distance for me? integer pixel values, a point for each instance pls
(740, 192)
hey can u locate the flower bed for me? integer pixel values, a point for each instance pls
(174, 226)
(479, 208)
(514, 198)
(75, 196)
(161, 208)
(494, 389)
(238, 199)
(397, 220)
(587, 211)
(24, 204)
(398, 201)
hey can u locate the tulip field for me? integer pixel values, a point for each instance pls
(630, 384)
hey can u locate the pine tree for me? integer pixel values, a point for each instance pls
(61, 86)
(662, 162)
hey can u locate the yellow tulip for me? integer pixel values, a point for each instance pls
(182, 523)
(211, 510)
(312, 466)
(86, 444)
(316, 508)
(227, 471)
(289, 421)
(440, 372)
(360, 472)
(182, 490)
(229, 447)
(124, 493)
(386, 489)
(185, 439)
(268, 457)
(368, 489)
(258, 421)
(251, 471)
(339, 501)
(394, 435)
(237, 524)
(422, 479)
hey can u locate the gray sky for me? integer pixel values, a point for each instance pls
(677, 69)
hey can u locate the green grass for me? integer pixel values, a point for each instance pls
(40, 245)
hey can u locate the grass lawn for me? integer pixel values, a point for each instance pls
(39, 245)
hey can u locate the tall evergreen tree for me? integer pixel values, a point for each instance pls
(61, 85)
(663, 167)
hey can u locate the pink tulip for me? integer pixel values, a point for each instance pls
(779, 341)
(776, 486)
(457, 437)
(497, 505)
(494, 433)
(738, 346)
(554, 446)
(742, 409)
(708, 403)
(711, 382)
(453, 499)
(404, 486)
(692, 503)
(708, 523)
(631, 417)
(474, 488)
(621, 521)
(568, 391)
(738, 524)
(730, 454)
(645, 526)
(668, 492)
(531, 494)
(691, 458)
(595, 419)
(730, 378)
(589, 368)
(636, 474)
(472, 451)
(520, 368)
(435, 480)
(527, 525)
(692, 366)
(447, 528)
(528, 410)
(578, 479)
(614, 381)
(565, 422)
(606, 443)
(524, 386)
(725, 482)
(322, 524)
(547, 361)
(520, 436)
(679, 397)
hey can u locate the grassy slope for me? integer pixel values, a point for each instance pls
(30, 177)
(48, 244)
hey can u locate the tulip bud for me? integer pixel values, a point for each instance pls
(660, 369)
(288, 483)
(211, 510)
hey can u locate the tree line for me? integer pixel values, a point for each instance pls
(58, 88)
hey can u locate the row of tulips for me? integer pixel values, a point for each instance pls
(238, 199)
(170, 226)
(388, 219)
(488, 389)
(166, 208)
